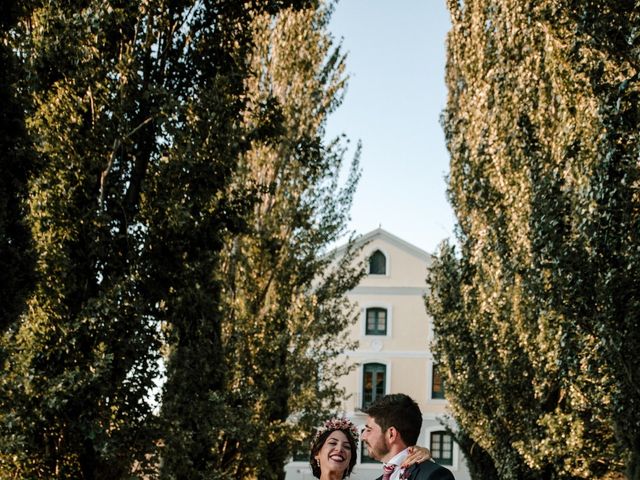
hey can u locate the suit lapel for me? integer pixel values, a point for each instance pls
(408, 472)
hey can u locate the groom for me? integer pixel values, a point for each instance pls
(393, 423)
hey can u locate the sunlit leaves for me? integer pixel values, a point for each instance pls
(135, 111)
(285, 314)
(531, 317)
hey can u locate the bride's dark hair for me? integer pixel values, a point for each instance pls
(321, 438)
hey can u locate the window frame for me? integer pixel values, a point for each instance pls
(386, 263)
(431, 364)
(437, 394)
(363, 319)
(376, 331)
(437, 453)
(384, 370)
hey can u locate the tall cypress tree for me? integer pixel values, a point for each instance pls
(537, 316)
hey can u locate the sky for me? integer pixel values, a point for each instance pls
(396, 94)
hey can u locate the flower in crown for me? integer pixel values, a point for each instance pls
(337, 423)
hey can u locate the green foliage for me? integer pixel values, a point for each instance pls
(537, 316)
(80, 363)
(16, 164)
(284, 308)
(180, 214)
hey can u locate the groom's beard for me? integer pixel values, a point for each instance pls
(379, 450)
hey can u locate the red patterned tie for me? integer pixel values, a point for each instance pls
(388, 471)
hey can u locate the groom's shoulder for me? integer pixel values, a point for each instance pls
(430, 471)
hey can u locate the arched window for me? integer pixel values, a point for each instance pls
(442, 448)
(374, 377)
(376, 321)
(378, 263)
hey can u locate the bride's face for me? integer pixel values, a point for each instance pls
(335, 454)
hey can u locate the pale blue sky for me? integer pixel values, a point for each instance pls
(396, 93)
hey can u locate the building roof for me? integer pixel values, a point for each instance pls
(380, 233)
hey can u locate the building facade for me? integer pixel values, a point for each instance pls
(394, 333)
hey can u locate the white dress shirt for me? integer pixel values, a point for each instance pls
(397, 460)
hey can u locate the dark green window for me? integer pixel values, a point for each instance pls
(376, 321)
(442, 448)
(378, 263)
(373, 382)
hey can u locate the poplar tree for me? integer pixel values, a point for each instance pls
(537, 314)
(16, 164)
(17, 259)
(284, 304)
(135, 114)
(79, 365)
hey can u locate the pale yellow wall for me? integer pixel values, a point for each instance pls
(404, 270)
(408, 327)
(405, 348)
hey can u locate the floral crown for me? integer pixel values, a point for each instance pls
(336, 423)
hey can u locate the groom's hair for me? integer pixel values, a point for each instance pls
(399, 411)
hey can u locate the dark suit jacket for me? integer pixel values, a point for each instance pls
(427, 471)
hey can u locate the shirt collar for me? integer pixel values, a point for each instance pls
(399, 457)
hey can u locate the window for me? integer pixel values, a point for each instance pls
(373, 382)
(442, 448)
(378, 263)
(437, 383)
(376, 321)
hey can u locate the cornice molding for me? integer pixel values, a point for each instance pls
(410, 291)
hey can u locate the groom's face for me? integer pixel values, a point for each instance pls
(375, 440)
